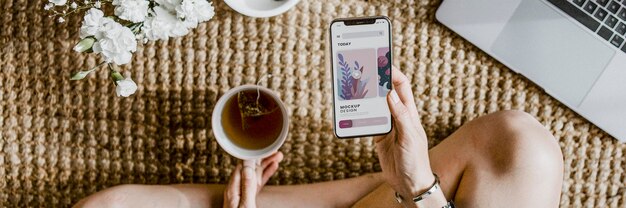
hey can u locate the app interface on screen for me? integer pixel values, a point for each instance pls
(362, 76)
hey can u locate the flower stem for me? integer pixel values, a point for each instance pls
(99, 65)
(115, 75)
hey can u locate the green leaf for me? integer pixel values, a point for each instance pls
(81, 74)
(85, 45)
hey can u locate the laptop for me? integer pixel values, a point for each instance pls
(574, 49)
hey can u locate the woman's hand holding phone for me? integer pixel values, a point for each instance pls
(403, 153)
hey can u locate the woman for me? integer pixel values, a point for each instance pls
(505, 159)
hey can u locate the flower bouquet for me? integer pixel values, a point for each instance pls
(112, 28)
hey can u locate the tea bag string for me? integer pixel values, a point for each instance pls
(258, 83)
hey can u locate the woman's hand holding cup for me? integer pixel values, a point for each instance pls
(248, 179)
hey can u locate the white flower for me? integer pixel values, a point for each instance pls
(91, 22)
(98, 4)
(48, 6)
(163, 24)
(174, 18)
(61, 20)
(131, 10)
(125, 87)
(58, 2)
(115, 42)
(194, 12)
(74, 5)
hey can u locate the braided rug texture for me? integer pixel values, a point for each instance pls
(62, 140)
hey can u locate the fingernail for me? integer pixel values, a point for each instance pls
(394, 96)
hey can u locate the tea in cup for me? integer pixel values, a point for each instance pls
(250, 122)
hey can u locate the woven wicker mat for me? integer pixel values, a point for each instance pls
(62, 140)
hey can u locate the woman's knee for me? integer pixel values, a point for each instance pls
(511, 139)
(137, 196)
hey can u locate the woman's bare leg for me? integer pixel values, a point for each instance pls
(506, 159)
(341, 193)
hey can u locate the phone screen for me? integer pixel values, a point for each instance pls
(361, 67)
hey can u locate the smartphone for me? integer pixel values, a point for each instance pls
(361, 60)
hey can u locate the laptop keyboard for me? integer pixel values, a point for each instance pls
(607, 18)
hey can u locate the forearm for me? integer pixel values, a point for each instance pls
(436, 200)
(341, 193)
(432, 193)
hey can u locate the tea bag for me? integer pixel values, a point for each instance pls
(252, 106)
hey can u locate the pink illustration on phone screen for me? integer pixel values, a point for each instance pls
(357, 74)
(384, 71)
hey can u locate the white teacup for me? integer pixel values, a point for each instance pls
(228, 145)
(261, 8)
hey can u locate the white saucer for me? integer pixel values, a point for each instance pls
(261, 8)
